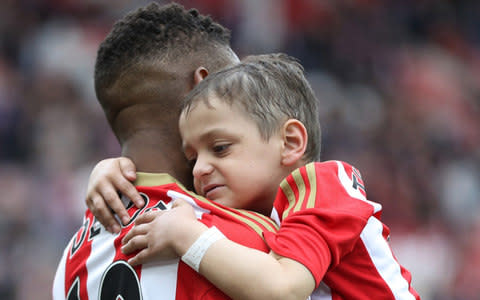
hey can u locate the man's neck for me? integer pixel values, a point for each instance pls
(158, 158)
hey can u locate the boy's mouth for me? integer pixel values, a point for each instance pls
(210, 189)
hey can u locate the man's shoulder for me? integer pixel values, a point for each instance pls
(161, 186)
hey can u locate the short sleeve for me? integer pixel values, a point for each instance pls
(322, 209)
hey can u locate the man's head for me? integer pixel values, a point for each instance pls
(247, 127)
(150, 57)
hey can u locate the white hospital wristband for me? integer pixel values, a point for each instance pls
(197, 250)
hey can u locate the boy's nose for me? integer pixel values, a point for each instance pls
(202, 167)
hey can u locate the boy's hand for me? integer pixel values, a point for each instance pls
(109, 177)
(163, 234)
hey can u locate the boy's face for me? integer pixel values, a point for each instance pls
(232, 164)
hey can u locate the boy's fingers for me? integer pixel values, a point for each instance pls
(126, 188)
(129, 190)
(179, 202)
(112, 200)
(140, 258)
(137, 230)
(135, 243)
(147, 217)
(128, 168)
(104, 215)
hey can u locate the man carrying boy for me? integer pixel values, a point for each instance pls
(245, 129)
(148, 62)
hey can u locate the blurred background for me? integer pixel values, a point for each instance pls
(399, 86)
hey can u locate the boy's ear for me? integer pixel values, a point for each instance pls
(295, 140)
(199, 74)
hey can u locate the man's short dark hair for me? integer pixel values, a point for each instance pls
(156, 33)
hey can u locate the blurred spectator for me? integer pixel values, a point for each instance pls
(399, 86)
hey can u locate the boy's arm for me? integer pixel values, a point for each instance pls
(247, 273)
(239, 271)
(109, 177)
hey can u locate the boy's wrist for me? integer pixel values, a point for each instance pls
(187, 235)
(194, 254)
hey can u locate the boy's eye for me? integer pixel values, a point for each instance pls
(221, 148)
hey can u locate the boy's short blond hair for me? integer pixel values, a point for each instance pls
(271, 89)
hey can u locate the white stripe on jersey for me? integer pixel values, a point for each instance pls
(274, 216)
(162, 274)
(355, 193)
(101, 256)
(199, 211)
(383, 259)
(59, 281)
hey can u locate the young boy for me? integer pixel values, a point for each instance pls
(245, 129)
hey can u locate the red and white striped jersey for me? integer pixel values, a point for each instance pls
(93, 267)
(328, 225)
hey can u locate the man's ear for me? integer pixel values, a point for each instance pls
(199, 74)
(295, 140)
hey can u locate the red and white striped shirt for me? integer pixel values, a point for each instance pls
(328, 225)
(93, 267)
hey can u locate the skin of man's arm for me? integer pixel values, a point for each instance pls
(245, 273)
(107, 177)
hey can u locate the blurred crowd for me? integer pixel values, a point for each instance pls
(399, 90)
